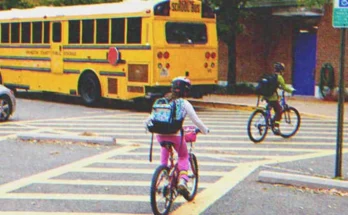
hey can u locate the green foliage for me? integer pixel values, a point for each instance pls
(314, 3)
(239, 88)
(8, 4)
(74, 2)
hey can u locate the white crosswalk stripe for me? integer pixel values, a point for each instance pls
(226, 154)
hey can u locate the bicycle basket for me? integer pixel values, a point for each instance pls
(190, 134)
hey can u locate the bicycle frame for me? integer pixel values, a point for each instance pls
(173, 171)
(268, 109)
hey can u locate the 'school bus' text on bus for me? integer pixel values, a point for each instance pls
(127, 50)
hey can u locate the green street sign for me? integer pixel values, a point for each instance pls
(340, 14)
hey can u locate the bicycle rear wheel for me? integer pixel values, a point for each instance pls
(290, 122)
(257, 126)
(161, 195)
(192, 184)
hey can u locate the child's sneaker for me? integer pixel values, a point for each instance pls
(182, 186)
(276, 131)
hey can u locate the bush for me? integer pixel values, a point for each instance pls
(239, 88)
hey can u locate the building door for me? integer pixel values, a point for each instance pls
(56, 48)
(304, 63)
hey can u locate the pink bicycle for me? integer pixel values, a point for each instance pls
(163, 190)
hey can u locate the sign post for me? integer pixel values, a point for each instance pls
(340, 20)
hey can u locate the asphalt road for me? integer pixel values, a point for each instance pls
(42, 177)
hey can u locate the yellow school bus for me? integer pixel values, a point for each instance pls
(126, 50)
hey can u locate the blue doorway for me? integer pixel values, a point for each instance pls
(304, 63)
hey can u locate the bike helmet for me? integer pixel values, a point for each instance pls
(279, 67)
(181, 86)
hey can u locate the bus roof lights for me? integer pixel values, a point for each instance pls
(162, 9)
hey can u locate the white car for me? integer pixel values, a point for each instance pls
(7, 103)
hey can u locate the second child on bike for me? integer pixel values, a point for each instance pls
(179, 90)
(273, 100)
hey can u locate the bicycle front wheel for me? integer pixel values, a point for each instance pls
(257, 126)
(161, 195)
(290, 122)
(192, 184)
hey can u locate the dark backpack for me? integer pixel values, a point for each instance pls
(166, 116)
(267, 85)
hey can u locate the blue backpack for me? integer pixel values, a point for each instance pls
(267, 85)
(166, 116)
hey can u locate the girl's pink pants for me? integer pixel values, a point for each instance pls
(180, 147)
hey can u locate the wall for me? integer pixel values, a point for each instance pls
(328, 47)
(266, 39)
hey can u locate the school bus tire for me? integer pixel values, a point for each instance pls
(89, 89)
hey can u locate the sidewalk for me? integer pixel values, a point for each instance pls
(306, 105)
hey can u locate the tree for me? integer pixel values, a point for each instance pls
(8, 4)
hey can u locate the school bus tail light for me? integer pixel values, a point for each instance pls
(159, 55)
(167, 65)
(166, 55)
(162, 9)
(207, 55)
(213, 55)
(138, 73)
(205, 65)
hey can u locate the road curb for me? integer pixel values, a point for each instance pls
(74, 138)
(302, 180)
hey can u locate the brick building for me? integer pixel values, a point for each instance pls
(303, 39)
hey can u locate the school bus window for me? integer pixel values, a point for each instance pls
(117, 30)
(74, 31)
(25, 32)
(47, 32)
(134, 30)
(87, 31)
(5, 33)
(57, 32)
(102, 31)
(15, 32)
(186, 33)
(37, 32)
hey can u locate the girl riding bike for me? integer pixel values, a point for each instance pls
(180, 89)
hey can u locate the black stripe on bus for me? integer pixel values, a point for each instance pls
(71, 71)
(121, 74)
(26, 46)
(25, 58)
(120, 47)
(79, 60)
(18, 86)
(26, 68)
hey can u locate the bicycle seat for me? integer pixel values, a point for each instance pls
(166, 144)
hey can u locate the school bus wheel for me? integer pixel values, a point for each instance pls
(89, 89)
